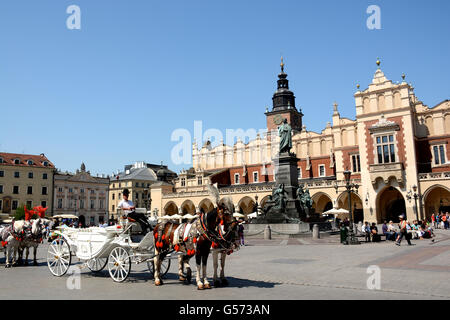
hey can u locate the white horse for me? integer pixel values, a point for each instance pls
(11, 237)
(233, 241)
(32, 239)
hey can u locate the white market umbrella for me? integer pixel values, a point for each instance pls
(175, 217)
(238, 215)
(337, 212)
(65, 216)
(189, 216)
(253, 215)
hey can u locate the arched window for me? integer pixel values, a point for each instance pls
(366, 105)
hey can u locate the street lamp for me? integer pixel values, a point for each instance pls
(351, 188)
(414, 195)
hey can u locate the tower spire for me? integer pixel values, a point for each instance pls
(282, 65)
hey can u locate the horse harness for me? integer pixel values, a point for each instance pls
(216, 240)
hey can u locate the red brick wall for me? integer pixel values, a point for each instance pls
(424, 155)
(400, 140)
(293, 119)
(314, 172)
(222, 178)
(249, 177)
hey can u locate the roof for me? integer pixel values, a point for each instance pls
(80, 177)
(145, 174)
(37, 161)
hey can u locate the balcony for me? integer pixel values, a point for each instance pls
(434, 176)
(387, 171)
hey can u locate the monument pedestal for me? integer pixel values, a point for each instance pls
(287, 175)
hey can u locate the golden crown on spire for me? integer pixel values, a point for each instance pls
(282, 64)
(378, 62)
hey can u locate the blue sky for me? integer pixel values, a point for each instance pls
(113, 92)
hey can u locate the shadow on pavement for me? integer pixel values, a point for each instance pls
(245, 283)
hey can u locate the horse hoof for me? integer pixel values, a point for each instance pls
(216, 283)
(8, 266)
(35, 263)
(158, 283)
(224, 282)
(25, 264)
(200, 287)
(207, 286)
(182, 278)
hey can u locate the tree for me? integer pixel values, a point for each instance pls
(20, 213)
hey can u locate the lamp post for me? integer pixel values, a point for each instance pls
(351, 188)
(413, 194)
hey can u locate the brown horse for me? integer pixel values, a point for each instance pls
(195, 239)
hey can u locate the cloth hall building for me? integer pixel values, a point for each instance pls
(396, 148)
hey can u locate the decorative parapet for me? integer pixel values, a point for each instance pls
(386, 171)
(267, 187)
(434, 176)
(327, 183)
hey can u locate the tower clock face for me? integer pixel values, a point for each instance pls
(278, 119)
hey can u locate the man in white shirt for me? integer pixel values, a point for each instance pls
(128, 209)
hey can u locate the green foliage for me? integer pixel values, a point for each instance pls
(20, 213)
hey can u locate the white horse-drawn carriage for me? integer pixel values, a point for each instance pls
(99, 247)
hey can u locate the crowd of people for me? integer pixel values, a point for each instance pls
(418, 229)
(440, 221)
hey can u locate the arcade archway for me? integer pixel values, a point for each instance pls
(356, 202)
(436, 199)
(170, 209)
(188, 207)
(390, 204)
(321, 202)
(206, 206)
(247, 205)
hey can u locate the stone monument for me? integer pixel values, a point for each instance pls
(284, 206)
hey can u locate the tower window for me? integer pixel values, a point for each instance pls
(321, 170)
(356, 163)
(255, 176)
(385, 149)
(439, 155)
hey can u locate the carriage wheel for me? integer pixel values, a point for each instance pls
(165, 265)
(119, 264)
(59, 257)
(97, 264)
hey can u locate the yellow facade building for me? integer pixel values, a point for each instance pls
(25, 180)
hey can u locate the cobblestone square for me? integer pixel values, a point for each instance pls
(266, 269)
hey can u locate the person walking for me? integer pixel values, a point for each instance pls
(403, 231)
(241, 232)
(445, 220)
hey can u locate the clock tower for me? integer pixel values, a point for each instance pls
(284, 106)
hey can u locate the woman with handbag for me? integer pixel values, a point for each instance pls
(403, 231)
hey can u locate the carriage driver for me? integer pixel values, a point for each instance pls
(128, 209)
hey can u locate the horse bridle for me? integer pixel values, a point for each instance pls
(219, 239)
